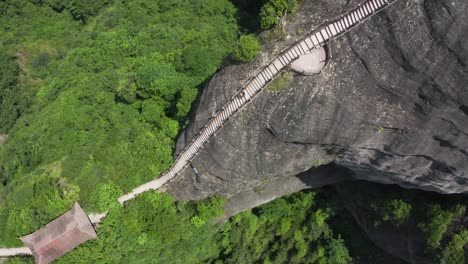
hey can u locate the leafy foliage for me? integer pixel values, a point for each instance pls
(101, 88)
(287, 230)
(14, 100)
(247, 49)
(453, 252)
(155, 227)
(274, 11)
(279, 84)
(105, 197)
(395, 211)
(152, 227)
(437, 221)
(34, 202)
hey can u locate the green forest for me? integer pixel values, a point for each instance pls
(93, 95)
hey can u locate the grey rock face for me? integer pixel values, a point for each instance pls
(279, 186)
(392, 106)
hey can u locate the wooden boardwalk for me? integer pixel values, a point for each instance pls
(258, 82)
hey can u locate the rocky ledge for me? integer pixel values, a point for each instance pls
(391, 106)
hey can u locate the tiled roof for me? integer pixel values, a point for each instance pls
(60, 236)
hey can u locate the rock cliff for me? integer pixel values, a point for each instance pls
(391, 106)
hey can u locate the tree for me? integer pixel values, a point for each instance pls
(453, 252)
(210, 208)
(434, 229)
(105, 197)
(14, 98)
(83, 10)
(247, 48)
(396, 211)
(274, 12)
(338, 253)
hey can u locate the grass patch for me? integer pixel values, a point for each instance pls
(280, 82)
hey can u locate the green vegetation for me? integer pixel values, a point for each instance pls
(101, 90)
(287, 230)
(93, 95)
(436, 225)
(453, 252)
(274, 12)
(247, 48)
(14, 97)
(395, 211)
(153, 227)
(33, 202)
(105, 196)
(281, 82)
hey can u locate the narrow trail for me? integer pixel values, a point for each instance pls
(7, 252)
(313, 40)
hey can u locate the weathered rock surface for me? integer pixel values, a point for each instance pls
(392, 106)
(311, 63)
(273, 188)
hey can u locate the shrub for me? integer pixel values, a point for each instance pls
(41, 60)
(105, 197)
(274, 11)
(396, 211)
(247, 48)
(338, 253)
(434, 230)
(453, 252)
(281, 82)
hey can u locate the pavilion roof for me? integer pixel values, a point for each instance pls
(61, 235)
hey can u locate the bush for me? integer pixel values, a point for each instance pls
(104, 197)
(434, 229)
(286, 230)
(338, 253)
(396, 211)
(13, 101)
(119, 96)
(454, 252)
(210, 208)
(281, 82)
(247, 48)
(41, 60)
(274, 11)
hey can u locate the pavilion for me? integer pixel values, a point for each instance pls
(63, 234)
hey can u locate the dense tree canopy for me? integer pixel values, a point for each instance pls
(287, 230)
(108, 85)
